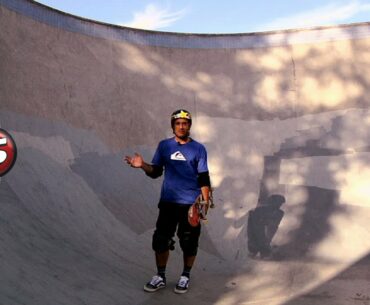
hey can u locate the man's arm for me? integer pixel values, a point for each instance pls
(150, 170)
(205, 185)
(205, 193)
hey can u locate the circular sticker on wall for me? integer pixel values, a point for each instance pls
(8, 152)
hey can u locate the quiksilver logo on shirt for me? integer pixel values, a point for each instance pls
(178, 156)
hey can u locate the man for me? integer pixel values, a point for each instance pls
(186, 176)
(263, 222)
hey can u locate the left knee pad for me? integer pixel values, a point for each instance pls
(189, 243)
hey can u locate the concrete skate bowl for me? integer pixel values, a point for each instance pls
(279, 112)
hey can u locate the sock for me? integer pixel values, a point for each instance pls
(161, 271)
(186, 271)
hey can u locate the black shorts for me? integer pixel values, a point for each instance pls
(174, 216)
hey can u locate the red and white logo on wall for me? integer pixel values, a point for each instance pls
(8, 152)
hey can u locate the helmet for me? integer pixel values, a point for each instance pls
(276, 200)
(180, 114)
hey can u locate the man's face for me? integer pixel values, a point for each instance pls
(181, 128)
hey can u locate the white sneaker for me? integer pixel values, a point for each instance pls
(182, 285)
(157, 282)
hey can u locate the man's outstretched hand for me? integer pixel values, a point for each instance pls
(134, 161)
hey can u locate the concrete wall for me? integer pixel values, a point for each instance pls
(281, 112)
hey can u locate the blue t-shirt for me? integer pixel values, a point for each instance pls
(182, 163)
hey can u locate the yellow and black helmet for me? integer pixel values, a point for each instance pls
(180, 114)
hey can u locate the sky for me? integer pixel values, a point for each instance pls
(217, 17)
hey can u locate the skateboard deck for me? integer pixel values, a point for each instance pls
(198, 210)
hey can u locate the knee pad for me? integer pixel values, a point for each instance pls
(189, 243)
(162, 243)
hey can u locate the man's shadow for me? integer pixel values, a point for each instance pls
(263, 223)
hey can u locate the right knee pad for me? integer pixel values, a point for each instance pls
(161, 243)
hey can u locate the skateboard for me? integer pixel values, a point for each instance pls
(198, 210)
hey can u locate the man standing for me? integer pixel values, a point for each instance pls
(186, 176)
